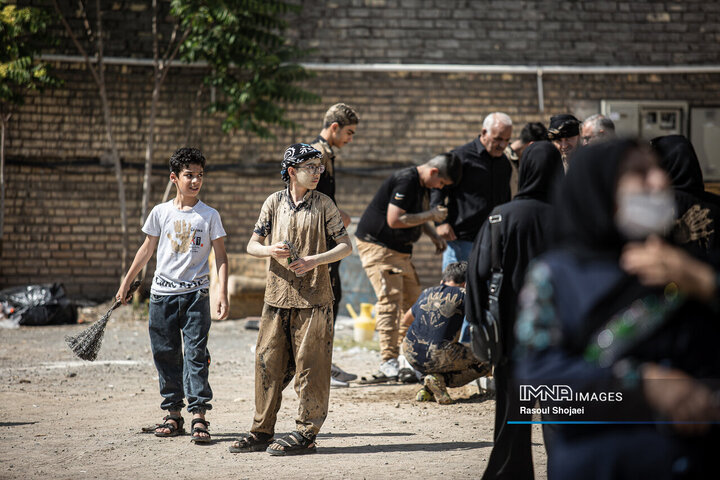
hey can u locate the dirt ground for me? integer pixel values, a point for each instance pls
(65, 418)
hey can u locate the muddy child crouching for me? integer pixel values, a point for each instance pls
(183, 230)
(431, 345)
(296, 330)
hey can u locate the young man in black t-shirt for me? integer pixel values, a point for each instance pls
(396, 217)
(339, 126)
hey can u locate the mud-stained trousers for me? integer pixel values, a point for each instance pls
(293, 342)
(454, 361)
(396, 287)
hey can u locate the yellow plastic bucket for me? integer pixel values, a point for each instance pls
(364, 326)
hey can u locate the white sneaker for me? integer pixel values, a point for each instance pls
(334, 383)
(390, 368)
(339, 374)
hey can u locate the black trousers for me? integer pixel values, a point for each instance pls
(334, 269)
(511, 456)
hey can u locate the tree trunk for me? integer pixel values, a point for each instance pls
(3, 120)
(113, 145)
(118, 177)
(147, 179)
(157, 82)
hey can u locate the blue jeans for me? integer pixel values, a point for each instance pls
(182, 376)
(458, 251)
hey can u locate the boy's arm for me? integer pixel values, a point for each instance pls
(142, 257)
(221, 263)
(439, 242)
(256, 248)
(340, 251)
(345, 217)
(399, 218)
(408, 319)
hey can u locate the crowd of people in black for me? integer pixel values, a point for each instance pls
(575, 263)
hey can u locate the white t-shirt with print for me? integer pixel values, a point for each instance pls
(183, 247)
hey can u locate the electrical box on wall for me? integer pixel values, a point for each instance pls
(646, 119)
(705, 137)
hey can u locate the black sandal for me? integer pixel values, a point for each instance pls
(252, 442)
(175, 429)
(203, 429)
(294, 443)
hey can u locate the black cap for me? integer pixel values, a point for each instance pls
(563, 126)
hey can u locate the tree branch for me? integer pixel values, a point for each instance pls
(77, 44)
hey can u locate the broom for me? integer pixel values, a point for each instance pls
(86, 344)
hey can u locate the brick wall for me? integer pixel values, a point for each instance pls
(62, 220)
(516, 32)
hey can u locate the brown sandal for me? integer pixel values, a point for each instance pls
(251, 442)
(294, 443)
(204, 429)
(175, 429)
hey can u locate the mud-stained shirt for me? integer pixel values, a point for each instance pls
(184, 243)
(438, 313)
(307, 226)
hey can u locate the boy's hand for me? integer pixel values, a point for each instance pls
(438, 213)
(440, 244)
(222, 308)
(279, 251)
(122, 294)
(303, 265)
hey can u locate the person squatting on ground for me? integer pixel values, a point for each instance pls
(524, 231)
(339, 126)
(396, 217)
(183, 230)
(296, 329)
(433, 329)
(613, 308)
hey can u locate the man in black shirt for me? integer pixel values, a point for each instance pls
(339, 126)
(396, 217)
(485, 184)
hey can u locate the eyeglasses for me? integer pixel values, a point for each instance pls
(314, 169)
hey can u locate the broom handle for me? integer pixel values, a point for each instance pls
(134, 286)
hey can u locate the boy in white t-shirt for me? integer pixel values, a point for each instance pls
(183, 230)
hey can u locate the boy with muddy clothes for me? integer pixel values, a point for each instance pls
(395, 219)
(183, 230)
(296, 328)
(339, 126)
(431, 345)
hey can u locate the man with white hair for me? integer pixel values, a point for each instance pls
(596, 128)
(485, 183)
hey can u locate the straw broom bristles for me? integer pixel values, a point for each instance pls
(86, 344)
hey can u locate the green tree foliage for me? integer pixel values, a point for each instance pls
(19, 71)
(251, 64)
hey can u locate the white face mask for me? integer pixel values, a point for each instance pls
(642, 214)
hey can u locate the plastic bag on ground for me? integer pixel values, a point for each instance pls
(36, 305)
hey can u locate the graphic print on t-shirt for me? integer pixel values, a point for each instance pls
(184, 236)
(446, 305)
